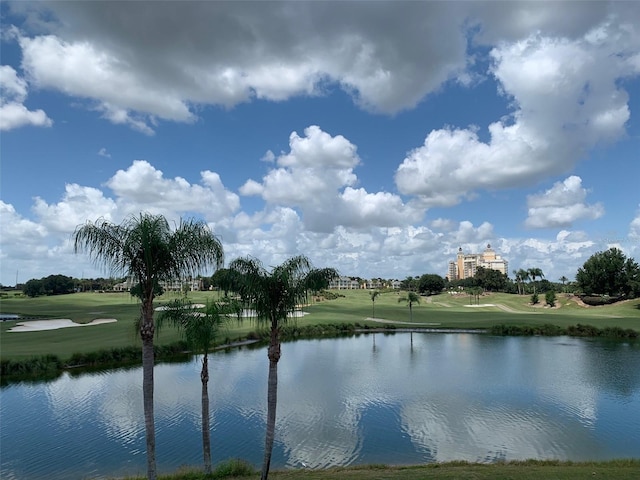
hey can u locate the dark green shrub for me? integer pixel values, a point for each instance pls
(597, 300)
(550, 298)
(534, 299)
(233, 468)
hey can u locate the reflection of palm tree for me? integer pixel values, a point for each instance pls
(374, 294)
(145, 248)
(200, 330)
(410, 298)
(274, 295)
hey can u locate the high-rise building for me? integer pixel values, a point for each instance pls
(466, 264)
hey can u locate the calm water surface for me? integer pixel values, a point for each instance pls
(369, 399)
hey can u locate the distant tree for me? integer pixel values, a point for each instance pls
(522, 276)
(550, 298)
(564, 280)
(474, 295)
(535, 273)
(374, 294)
(430, 283)
(491, 280)
(33, 288)
(409, 284)
(609, 273)
(410, 298)
(534, 299)
(51, 285)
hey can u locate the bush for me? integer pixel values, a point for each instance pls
(597, 300)
(550, 298)
(35, 366)
(534, 299)
(233, 468)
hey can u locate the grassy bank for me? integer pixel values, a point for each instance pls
(526, 470)
(441, 311)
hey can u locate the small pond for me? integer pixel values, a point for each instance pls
(398, 399)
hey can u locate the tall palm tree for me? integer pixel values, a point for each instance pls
(374, 294)
(146, 248)
(535, 273)
(410, 298)
(274, 295)
(200, 330)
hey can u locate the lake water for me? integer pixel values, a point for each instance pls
(395, 399)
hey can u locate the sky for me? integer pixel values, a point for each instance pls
(376, 138)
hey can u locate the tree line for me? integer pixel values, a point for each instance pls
(607, 274)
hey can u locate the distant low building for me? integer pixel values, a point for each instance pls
(344, 283)
(356, 283)
(466, 264)
(174, 285)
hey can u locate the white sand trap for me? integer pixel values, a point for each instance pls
(482, 305)
(40, 325)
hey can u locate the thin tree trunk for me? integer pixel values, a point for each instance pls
(147, 330)
(272, 400)
(206, 433)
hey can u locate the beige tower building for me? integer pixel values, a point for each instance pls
(466, 264)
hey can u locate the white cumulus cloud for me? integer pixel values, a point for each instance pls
(566, 98)
(13, 112)
(317, 177)
(561, 206)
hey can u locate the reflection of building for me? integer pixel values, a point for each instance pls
(466, 264)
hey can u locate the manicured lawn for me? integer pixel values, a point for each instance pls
(528, 470)
(354, 306)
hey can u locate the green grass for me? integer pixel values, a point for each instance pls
(525, 470)
(445, 311)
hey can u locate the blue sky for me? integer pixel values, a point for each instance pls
(373, 137)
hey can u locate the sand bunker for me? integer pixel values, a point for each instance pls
(40, 325)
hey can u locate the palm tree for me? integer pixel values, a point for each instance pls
(564, 280)
(146, 248)
(535, 273)
(410, 298)
(200, 330)
(374, 294)
(518, 279)
(274, 295)
(523, 276)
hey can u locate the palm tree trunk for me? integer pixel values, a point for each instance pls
(272, 400)
(206, 433)
(147, 330)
